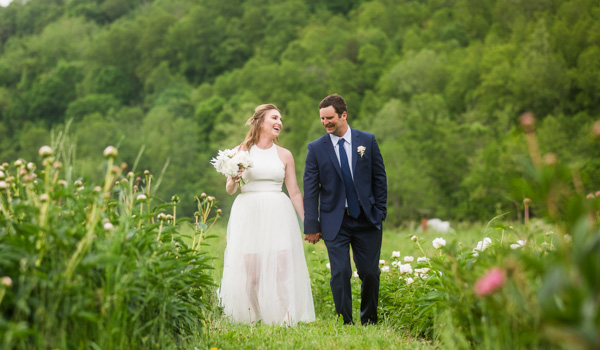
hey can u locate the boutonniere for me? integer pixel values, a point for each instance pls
(361, 150)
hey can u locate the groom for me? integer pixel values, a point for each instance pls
(345, 194)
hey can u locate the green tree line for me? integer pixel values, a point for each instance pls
(441, 83)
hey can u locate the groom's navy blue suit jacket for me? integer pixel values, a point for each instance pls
(324, 192)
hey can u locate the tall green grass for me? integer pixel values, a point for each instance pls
(103, 267)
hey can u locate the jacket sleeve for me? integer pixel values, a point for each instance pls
(311, 193)
(379, 180)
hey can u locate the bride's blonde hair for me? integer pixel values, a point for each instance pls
(255, 123)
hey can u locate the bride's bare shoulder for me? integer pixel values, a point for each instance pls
(284, 153)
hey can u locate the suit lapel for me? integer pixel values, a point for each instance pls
(331, 153)
(355, 155)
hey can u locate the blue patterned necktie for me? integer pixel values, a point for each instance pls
(351, 197)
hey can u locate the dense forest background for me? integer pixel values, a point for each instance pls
(441, 83)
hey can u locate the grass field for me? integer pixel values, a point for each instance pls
(325, 332)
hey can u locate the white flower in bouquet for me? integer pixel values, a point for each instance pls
(439, 242)
(228, 162)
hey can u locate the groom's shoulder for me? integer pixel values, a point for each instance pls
(363, 133)
(318, 141)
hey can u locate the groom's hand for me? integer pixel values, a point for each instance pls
(312, 237)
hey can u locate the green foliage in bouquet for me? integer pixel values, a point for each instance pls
(100, 267)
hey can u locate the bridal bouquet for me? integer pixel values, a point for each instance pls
(229, 161)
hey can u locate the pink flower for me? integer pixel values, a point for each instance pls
(492, 281)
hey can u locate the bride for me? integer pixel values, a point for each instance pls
(265, 277)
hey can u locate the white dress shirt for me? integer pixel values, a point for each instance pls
(347, 146)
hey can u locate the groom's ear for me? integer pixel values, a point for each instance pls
(344, 115)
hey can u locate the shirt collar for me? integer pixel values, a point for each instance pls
(347, 137)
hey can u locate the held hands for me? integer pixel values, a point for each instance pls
(312, 237)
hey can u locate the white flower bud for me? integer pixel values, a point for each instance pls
(3, 185)
(45, 151)
(31, 166)
(414, 238)
(7, 281)
(395, 254)
(44, 197)
(110, 152)
(141, 197)
(108, 226)
(2, 174)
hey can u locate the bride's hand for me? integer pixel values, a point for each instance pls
(238, 178)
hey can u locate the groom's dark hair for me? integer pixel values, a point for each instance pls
(335, 100)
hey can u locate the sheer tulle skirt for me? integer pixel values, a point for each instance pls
(264, 274)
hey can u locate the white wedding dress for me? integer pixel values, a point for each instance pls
(264, 274)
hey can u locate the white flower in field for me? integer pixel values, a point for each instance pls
(18, 163)
(381, 262)
(484, 244)
(519, 244)
(3, 185)
(108, 226)
(567, 238)
(395, 263)
(62, 183)
(405, 268)
(409, 259)
(422, 259)
(439, 242)
(7, 281)
(481, 246)
(110, 152)
(328, 265)
(356, 274)
(423, 276)
(161, 216)
(141, 197)
(97, 189)
(45, 151)
(422, 270)
(44, 197)
(385, 269)
(395, 254)
(2, 174)
(409, 280)
(31, 166)
(414, 238)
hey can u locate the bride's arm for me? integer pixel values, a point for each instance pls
(292, 184)
(233, 182)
